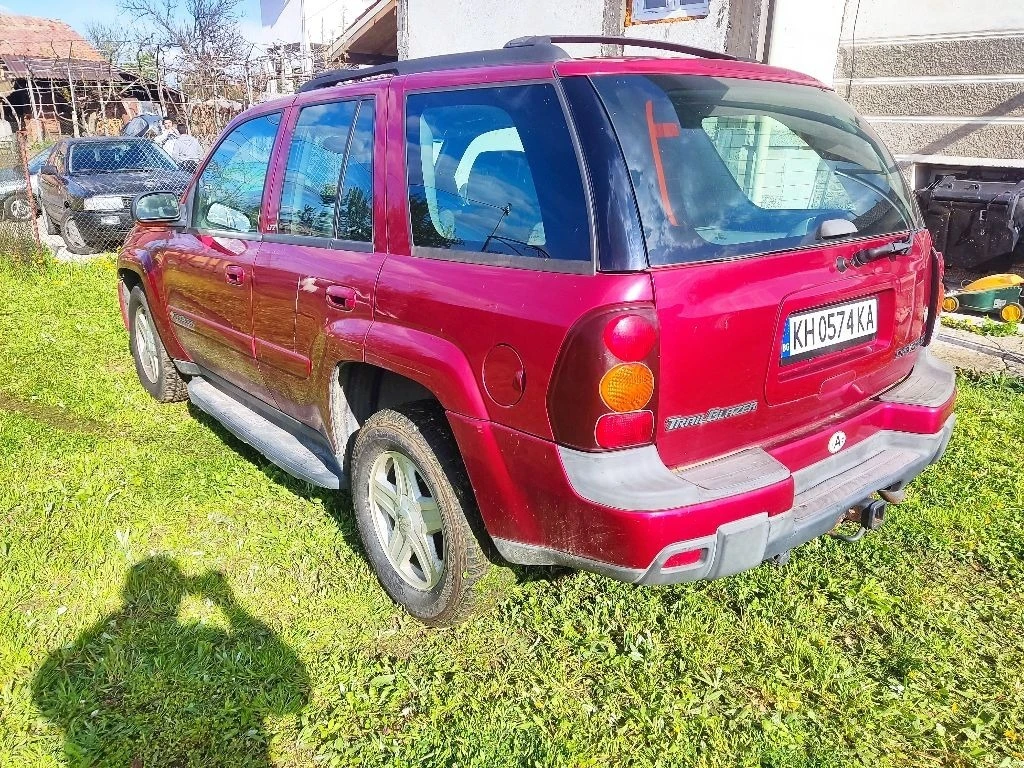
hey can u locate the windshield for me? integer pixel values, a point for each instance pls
(724, 168)
(118, 157)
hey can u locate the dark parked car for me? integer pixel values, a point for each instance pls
(14, 205)
(662, 319)
(87, 187)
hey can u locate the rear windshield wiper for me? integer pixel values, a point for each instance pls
(868, 255)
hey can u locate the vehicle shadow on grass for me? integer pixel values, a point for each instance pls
(144, 687)
(338, 504)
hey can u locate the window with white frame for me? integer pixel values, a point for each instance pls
(668, 10)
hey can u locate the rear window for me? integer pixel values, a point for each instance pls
(494, 177)
(724, 168)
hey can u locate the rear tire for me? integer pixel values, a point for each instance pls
(17, 208)
(413, 505)
(155, 368)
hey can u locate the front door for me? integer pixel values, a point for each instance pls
(51, 196)
(318, 270)
(209, 266)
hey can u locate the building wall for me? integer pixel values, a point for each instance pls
(325, 20)
(428, 27)
(937, 77)
(805, 36)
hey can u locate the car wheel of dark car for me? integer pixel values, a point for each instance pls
(156, 370)
(75, 240)
(17, 208)
(48, 224)
(413, 505)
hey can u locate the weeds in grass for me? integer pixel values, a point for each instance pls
(18, 249)
(987, 327)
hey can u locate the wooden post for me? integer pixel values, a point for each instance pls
(71, 89)
(23, 155)
(35, 109)
(160, 84)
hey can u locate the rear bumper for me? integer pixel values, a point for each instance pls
(624, 514)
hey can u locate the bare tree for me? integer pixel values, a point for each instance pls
(198, 46)
(111, 40)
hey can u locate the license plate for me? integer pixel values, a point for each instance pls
(820, 331)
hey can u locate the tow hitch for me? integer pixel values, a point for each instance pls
(870, 515)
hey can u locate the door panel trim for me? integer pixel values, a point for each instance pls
(211, 329)
(283, 359)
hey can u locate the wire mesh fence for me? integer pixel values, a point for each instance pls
(19, 235)
(88, 185)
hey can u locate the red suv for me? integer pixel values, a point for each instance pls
(659, 318)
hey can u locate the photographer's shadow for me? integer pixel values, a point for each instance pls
(143, 688)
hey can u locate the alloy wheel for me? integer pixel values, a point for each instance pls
(145, 345)
(407, 520)
(20, 209)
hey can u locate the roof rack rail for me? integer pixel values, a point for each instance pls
(522, 50)
(703, 53)
(540, 52)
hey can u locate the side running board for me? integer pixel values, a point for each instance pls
(292, 446)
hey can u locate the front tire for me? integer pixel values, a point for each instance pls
(75, 240)
(413, 505)
(155, 368)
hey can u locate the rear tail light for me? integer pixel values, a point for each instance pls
(604, 381)
(630, 337)
(624, 430)
(627, 387)
(938, 295)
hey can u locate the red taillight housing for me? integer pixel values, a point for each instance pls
(938, 295)
(623, 430)
(603, 389)
(630, 337)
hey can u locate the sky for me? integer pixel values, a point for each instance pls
(78, 13)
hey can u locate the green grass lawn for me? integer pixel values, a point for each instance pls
(169, 598)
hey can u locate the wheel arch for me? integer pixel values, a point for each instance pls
(358, 390)
(135, 271)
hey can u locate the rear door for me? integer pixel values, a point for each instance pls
(209, 266)
(324, 248)
(755, 198)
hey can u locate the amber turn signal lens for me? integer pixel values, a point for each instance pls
(627, 387)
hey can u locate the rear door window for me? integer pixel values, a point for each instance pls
(355, 202)
(724, 168)
(494, 177)
(315, 162)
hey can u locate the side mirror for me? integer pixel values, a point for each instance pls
(156, 208)
(48, 170)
